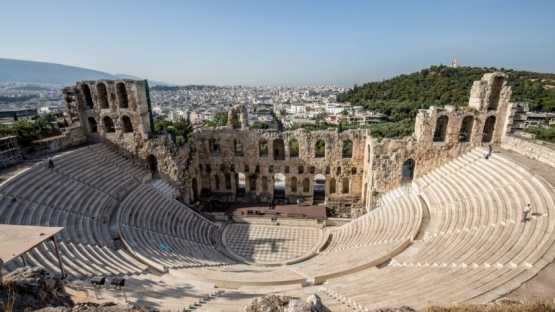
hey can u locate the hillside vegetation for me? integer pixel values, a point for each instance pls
(401, 97)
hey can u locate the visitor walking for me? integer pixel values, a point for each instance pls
(490, 151)
(50, 164)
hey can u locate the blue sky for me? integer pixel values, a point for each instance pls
(279, 42)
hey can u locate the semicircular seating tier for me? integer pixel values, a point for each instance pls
(476, 246)
(166, 233)
(81, 193)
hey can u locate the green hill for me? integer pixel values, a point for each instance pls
(400, 96)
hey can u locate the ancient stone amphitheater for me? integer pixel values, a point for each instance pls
(432, 220)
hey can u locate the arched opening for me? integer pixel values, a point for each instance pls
(93, 128)
(441, 129)
(279, 149)
(279, 186)
(495, 93)
(293, 148)
(237, 147)
(216, 182)
(195, 189)
(214, 147)
(121, 93)
(466, 129)
(241, 184)
(333, 185)
(319, 189)
(353, 170)
(227, 178)
(102, 95)
(152, 163)
(300, 169)
(263, 148)
(294, 185)
(320, 149)
(87, 95)
(489, 126)
(126, 123)
(347, 150)
(407, 170)
(345, 186)
(306, 185)
(252, 183)
(108, 124)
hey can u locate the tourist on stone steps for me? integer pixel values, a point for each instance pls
(490, 151)
(50, 164)
(526, 212)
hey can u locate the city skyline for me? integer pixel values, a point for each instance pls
(293, 43)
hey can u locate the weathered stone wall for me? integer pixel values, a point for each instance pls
(221, 154)
(541, 151)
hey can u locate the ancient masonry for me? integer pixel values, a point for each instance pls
(344, 169)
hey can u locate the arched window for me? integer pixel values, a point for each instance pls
(286, 169)
(489, 127)
(237, 147)
(293, 148)
(347, 150)
(126, 123)
(279, 149)
(263, 148)
(294, 185)
(102, 95)
(495, 93)
(353, 170)
(320, 149)
(407, 170)
(92, 125)
(338, 171)
(300, 169)
(216, 182)
(319, 188)
(108, 124)
(279, 186)
(240, 183)
(87, 95)
(252, 183)
(441, 129)
(345, 186)
(227, 181)
(306, 185)
(121, 93)
(466, 129)
(332, 185)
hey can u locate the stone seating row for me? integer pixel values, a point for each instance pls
(464, 258)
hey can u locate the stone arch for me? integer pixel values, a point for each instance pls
(263, 148)
(495, 93)
(102, 95)
(93, 127)
(333, 185)
(126, 123)
(441, 128)
(345, 186)
(353, 170)
(279, 149)
(465, 133)
(489, 127)
(152, 163)
(294, 185)
(108, 124)
(320, 149)
(214, 147)
(87, 95)
(216, 182)
(407, 170)
(319, 188)
(241, 184)
(300, 169)
(279, 186)
(293, 148)
(121, 92)
(306, 185)
(347, 150)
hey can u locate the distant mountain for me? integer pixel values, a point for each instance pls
(53, 74)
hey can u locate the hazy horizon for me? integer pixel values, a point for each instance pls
(285, 43)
